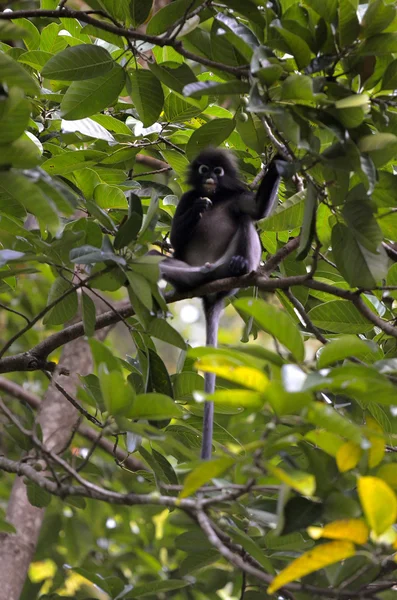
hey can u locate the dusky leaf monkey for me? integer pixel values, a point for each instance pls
(213, 235)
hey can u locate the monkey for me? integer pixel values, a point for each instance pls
(213, 235)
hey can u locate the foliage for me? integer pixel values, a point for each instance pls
(98, 121)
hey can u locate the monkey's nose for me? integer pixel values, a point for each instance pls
(210, 181)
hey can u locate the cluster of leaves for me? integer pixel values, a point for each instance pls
(97, 125)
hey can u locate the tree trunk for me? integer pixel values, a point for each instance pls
(57, 418)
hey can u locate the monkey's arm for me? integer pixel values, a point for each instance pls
(187, 215)
(260, 205)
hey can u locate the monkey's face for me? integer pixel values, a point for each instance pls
(209, 178)
(214, 173)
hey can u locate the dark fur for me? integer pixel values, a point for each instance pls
(214, 236)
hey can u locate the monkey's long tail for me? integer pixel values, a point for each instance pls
(212, 311)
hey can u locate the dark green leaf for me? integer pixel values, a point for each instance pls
(12, 74)
(66, 308)
(38, 496)
(139, 11)
(212, 133)
(85, 98)
(339, 316)
(78, 63)
(173, 75)
(147, 95)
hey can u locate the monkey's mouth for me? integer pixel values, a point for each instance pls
(209, 186)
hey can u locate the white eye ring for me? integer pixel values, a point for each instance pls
(203, 169)
(219, 171)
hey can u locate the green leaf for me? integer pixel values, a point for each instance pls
(359, 266)
(240, 36)
(89, 316)
(78, 63)
(147, 95)
(309, 222)
(204, 473)
(155, 407)
(343, 347)
(214, 88)
(274, 321)
(139, 11)
(157, 587)
(349, 26)
(23, 153)
(297, 87)
(109, 196)
(378, 17)
(160, 329)
(178, 109)
(173, 75)
(117, 392)
(287, 216)
(379, 45)
(325, 416)
(12, 74)
(212, 133)
(339, 316)
(250, 546)
(11, 31)
(85, 98)
(381, 147)
(72, 161)
(119, 9)
(66, 308)
(389, 81)
(141, 287)
(16, 188)
(297, 46)
(251, 131)
(166, 16)
(35, 58)
(128, 231)
(14, 117)
(325, 8)
(30, 34)
(37, 496)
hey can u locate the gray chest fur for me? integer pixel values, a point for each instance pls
(212, 235)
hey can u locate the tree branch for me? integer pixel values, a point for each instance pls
(130, 34)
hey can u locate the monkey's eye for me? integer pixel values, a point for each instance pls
(203, 169)
(219, 171)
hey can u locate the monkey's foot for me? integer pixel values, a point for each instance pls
(238, 265)
(206, 267)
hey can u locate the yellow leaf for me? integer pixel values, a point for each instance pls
(352, 530)
(313, 560)
(305, 483)
(246, 376)
(243, 398)
(203, 473)
(379, 503)
(348, 456)
(376, 439)
(389, 474)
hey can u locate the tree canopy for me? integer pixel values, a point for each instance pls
(103, 104)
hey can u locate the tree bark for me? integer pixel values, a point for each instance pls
(57, 419)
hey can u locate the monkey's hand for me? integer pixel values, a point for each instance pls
(202, 204)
